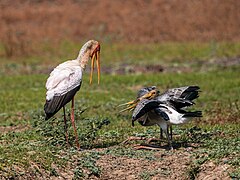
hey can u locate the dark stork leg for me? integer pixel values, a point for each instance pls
(168, 138)
(73, 124)
(161, 133)
(160, 139)
(170, 132)
(65, 125)
(157, 139)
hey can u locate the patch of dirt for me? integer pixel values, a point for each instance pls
(122, 69)
(173, 165)
(167, 166)
(184, 68)
(164, 165)
(211, 171)
(19, 128)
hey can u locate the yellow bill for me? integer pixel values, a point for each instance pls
(96, 55)
(92, 68)
(98, 65)
(132, 104)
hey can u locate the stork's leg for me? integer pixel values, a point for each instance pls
(168, 138)
(170, 132)
(156, 139)
(161, 133)
(65, 125)
(73, 124)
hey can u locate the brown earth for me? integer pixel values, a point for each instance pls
(168, 166)
(23, 24)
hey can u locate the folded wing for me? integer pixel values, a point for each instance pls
(62, 85)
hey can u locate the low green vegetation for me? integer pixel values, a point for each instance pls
(22, 93)
(173, 54)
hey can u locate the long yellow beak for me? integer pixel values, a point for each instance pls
(98, 65)
(96, 54)
(132, 104)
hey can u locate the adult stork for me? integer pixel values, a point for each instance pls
(66, 79)
(164, 110)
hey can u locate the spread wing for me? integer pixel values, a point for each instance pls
(180, 97)
(145, 105)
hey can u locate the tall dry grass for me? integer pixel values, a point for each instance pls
(26, 24)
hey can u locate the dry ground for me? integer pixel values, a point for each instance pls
(168, 166)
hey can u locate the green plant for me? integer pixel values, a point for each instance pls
(54, 133)
(86, 166)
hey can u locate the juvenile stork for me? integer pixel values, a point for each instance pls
(66, 79)
(164, 110)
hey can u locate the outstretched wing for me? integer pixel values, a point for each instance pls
(180, 97)
(145, 105)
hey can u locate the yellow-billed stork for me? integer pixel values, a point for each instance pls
(152, 108)
(66, 79)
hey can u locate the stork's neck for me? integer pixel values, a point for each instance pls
(83, 56)
(83, 60)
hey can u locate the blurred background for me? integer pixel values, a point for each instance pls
(40, 27)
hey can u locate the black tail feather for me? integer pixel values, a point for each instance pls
(191, 93)
(193, 114)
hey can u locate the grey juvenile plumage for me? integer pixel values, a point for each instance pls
(166, 109)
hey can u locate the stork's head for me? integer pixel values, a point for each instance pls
(144, 93)
(90, 49)
(145, 90)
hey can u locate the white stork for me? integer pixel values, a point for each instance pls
(66, 79)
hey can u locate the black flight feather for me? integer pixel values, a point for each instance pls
(52, 106)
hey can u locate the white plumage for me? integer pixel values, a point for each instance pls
(65, 80)
(175, 118)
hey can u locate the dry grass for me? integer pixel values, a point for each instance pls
(26, 24)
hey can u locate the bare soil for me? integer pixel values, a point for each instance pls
(168, 166)
(19, 128)
(175, 165)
